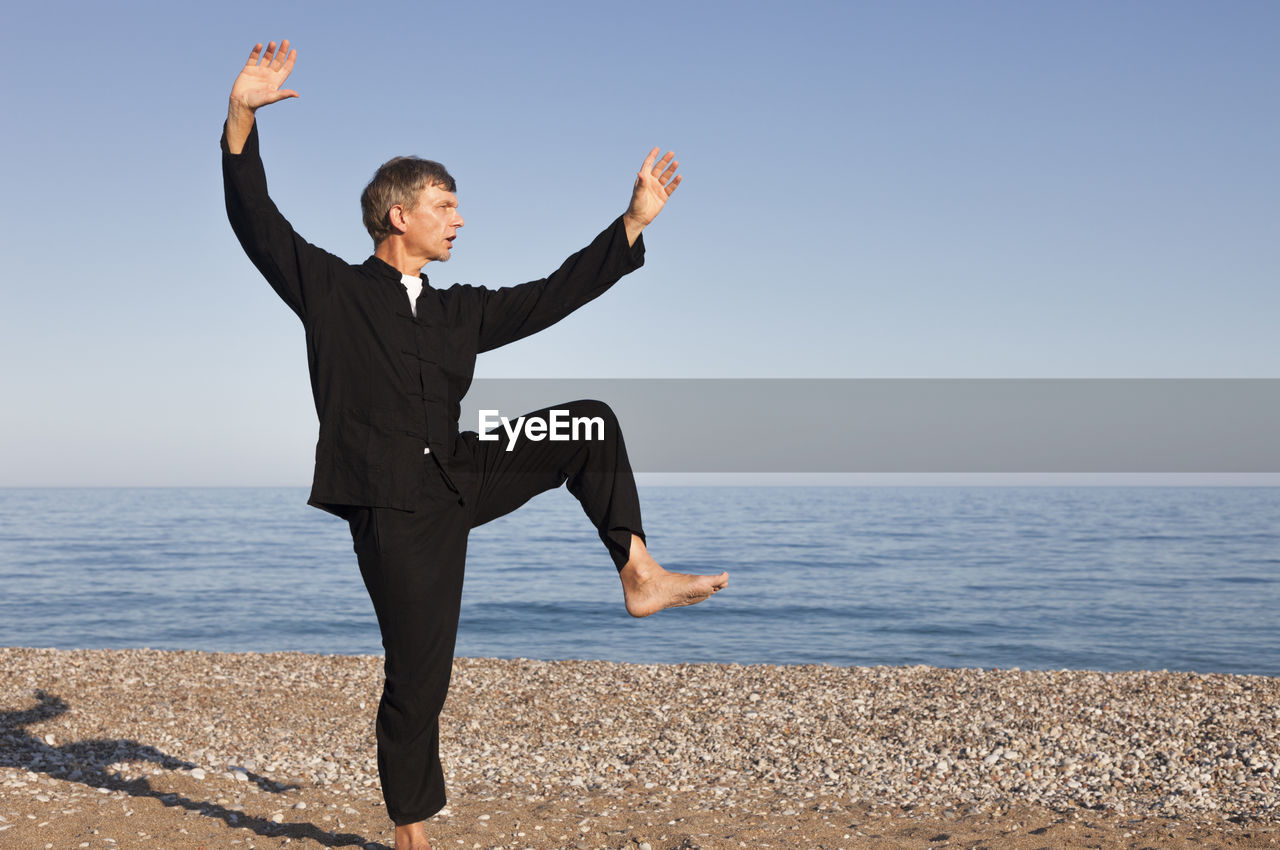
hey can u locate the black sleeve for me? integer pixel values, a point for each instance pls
(515, 312)
(298, 271)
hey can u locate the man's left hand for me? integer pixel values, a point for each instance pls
(655, 182)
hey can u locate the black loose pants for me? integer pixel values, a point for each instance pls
(412, 565)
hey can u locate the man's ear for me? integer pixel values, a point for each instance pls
(395, 215)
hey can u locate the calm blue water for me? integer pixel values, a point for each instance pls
(1097, 578)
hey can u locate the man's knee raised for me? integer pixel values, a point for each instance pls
(593, 420)
(590, 408)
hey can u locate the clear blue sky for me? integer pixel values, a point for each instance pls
(985, 189)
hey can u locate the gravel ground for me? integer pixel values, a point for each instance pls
(144, 748)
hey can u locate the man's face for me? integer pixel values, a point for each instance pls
(432, 225)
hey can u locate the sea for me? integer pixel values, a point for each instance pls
(1098, 578)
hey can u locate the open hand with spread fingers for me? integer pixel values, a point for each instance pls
(260, 81)
(655, 182)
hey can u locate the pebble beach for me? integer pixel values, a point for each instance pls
(179, 749)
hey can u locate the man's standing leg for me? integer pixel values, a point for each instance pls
(412, 565)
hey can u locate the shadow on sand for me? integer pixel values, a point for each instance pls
(86, 762)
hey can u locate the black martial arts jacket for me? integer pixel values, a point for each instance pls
(386, 384)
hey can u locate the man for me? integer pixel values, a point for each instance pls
(390, 359)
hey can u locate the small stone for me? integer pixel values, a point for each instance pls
(278, 817)
(49, 739)
(301, 804)
(197, 773)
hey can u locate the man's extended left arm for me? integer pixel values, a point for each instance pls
(515, 312)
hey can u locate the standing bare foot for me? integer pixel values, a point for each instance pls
(648, 588)
(412, 837)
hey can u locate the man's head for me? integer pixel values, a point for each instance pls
(413, 198)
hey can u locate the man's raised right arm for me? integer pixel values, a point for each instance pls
(299, 272)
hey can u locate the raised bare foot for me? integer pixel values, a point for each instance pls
(412, 837)
(648, 588)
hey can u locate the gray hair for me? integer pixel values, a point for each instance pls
(399, 181)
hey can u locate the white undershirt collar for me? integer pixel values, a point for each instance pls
(413, 284)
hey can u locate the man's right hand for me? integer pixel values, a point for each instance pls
(258, 85)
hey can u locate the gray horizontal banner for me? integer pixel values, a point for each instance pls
(921, 425)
